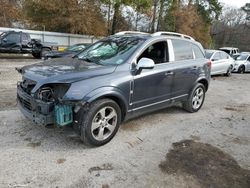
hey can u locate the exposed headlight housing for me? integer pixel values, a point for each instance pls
(52, 92)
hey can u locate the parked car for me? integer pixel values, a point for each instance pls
(222, 63)
(20, 42)
(232, 51)
(115, 79)
(68, 52)
(242, 63)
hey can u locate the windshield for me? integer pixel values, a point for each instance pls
(111, 51)
(208, 54)
(242, 57)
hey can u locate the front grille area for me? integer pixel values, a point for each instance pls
(25, 103)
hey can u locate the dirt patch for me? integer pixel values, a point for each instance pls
(106, 166)
(60, 161)
(206, 163)
(196, 138)
(241, 141)
(34, 144)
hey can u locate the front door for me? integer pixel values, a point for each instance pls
(153, 87)
(11, 42)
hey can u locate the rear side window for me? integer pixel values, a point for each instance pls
(182, 50)
(197, 52)
(216, 56)
(223, 55)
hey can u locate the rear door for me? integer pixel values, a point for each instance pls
(217, 63)
(25, 41)
(186, 68)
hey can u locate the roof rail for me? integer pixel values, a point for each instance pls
(172, 34)
(131, 33)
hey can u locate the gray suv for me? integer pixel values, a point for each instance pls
(115, 79)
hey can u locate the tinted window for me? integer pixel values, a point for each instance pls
(216, 56)
(157, 52)
(248, 58)
(25, 37)
(197, 52)
(13, 37)
(227, 51)
(182, 50)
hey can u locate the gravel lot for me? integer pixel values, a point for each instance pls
(35, 156)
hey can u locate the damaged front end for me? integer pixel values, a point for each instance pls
(45, 105)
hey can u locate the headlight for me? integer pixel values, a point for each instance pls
(52, 92)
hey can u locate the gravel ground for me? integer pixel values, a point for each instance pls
(36, 156)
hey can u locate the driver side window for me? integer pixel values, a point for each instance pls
(157, 52)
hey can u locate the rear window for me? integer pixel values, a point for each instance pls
(208, 54)
(182, 50)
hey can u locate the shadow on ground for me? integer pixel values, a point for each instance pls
(206, 163)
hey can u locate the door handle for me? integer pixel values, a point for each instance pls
(169, 73)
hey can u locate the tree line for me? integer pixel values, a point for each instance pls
(105, 17)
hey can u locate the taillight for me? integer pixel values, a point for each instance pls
(209, 63)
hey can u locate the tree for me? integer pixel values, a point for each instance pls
(74, 16)
(246, 9)
(9, 12)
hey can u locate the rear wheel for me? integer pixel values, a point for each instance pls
(241, 69)
(195, 99)
(101, 122)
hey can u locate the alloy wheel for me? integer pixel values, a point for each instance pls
(104, 123)
(198, 98)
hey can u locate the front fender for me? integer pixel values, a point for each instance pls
(112, 92)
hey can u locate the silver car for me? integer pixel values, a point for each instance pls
(242, 63)
(221, 62)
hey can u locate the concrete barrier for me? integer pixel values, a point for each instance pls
(62, 39)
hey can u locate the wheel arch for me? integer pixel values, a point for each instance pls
(113, 95)
(204, 82)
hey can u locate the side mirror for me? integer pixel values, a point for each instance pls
(144, 63)
(4, 40)
(214, 59)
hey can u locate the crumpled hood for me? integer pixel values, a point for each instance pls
(64, 70)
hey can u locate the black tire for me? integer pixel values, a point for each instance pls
(241, 69)
(36, 55)
(193, 98)
(91, 137)
(229, 71)
(44, 52)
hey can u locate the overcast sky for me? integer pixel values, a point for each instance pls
(235, 3)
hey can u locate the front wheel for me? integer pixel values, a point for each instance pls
(241, 69)
(44, 52)
(229, 71)
(101, 122)
(195, 99)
